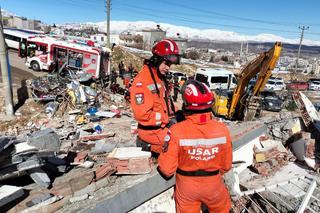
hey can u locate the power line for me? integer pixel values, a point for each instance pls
(209, 23)
(227, 15)
(181, 18)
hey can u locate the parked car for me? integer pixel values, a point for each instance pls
(314, 84)
(278, 79)
(271, 101)
(297, 85)
(317, 106)
(275, 85)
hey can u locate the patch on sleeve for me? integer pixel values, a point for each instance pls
(167, 139)
(139, 98)
(139, 84)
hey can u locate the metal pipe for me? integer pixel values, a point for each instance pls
(268, 203)
(255, 203)
(306, 198)
(285, 203)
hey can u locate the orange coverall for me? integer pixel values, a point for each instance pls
(199, 143)
(150, 108)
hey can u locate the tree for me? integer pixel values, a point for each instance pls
(193, 54)
(224, 58)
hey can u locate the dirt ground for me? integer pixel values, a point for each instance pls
(24, 107)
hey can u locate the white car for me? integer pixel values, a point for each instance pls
(275, 85)
(314, 85)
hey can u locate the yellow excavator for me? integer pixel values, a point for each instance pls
(244, 103)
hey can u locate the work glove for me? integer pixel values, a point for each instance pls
(179, 115)
(172, 121)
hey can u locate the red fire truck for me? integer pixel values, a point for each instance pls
(48, 53)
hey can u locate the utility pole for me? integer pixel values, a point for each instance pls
(6, 75)
(108, 23)
(303, 28)
(247, 49)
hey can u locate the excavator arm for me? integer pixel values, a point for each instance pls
(263, 66)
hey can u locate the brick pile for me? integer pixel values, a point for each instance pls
(268, 160)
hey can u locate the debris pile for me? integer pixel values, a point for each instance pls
(77, 144)
(270, 158)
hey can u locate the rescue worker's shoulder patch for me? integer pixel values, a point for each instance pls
(167, 139)
(139, 98)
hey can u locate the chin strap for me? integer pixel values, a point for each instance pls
(167, 98)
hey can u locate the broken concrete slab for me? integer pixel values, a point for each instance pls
(40, 177)
(24, 148)
(274, 143)
(95, 137)
(94, 186)
(78, 198)
(128, 152)
(76, 183)
(5, 142)
(9, 193)
(30, 164)
(44, 203)
(46, 139)
(101, 146)
(252, 181)
(39, 199)
(105, 114)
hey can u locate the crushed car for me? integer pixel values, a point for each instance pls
(271, 101)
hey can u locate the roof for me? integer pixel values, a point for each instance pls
(50, 40)
(211, 71)
(20, 32)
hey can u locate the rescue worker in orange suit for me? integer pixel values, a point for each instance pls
(150, 98)
(199, 151)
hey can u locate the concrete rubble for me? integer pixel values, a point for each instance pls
(80, 150)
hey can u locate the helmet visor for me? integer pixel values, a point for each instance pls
(172, 59)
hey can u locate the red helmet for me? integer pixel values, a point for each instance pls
(168, 50)
(196, 95)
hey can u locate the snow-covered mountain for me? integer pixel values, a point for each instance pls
(193, 33)
(7, 13)
(186, 32)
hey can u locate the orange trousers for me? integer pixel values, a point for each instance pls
(154, 137)
(190, 192)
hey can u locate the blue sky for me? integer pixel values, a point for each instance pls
(251, 17)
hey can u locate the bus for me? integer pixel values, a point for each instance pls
(14, 36)
(49, 54)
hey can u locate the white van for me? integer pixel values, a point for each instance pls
(216, 78)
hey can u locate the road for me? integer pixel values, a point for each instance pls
(19, 70)
(19, 74)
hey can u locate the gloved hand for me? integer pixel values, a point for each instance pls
(172, 121)
(179, 116)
